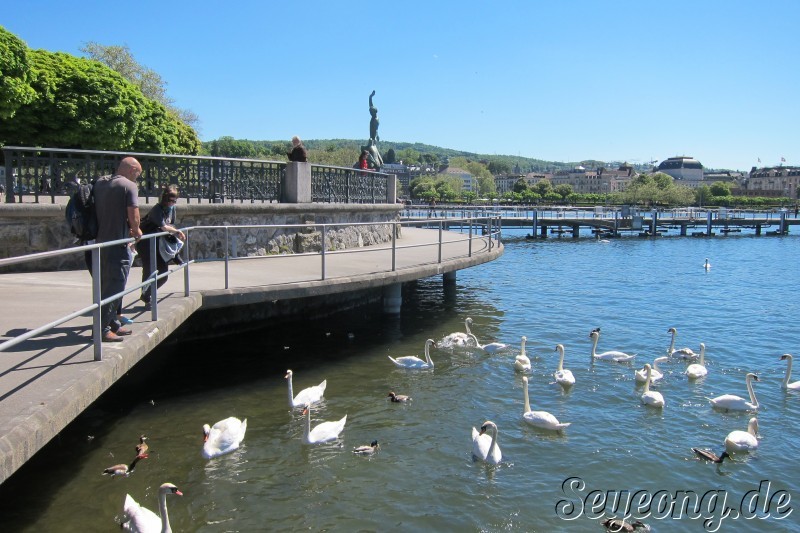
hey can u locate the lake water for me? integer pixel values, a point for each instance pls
(744, 309)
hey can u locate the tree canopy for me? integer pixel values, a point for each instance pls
(15, 74)
(80, 103)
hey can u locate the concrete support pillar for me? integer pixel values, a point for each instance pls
(683, 230)
(543, 232)
(297, 184)
(709, 227)
(576, 231)
(449, 278)
(758, 229)
(391, 189)
(392, 299)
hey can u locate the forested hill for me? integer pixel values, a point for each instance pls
(344, 152)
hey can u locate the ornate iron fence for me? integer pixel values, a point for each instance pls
(50, 172)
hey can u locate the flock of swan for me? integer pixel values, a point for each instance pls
(226, 435)
(485, 441)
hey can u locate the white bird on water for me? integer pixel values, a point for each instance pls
(649, 397)
(786, 384)
(458, 339)
(485, 448)
(307, 395)
(563, 376)
(698, 369)
(731, 402)
(140, 519)
(539, 419)
(683, 353)
(641, 375)
(223, 437)
(612, 355)
(707, 265)
(413, 362)
(521, 362)
(743, 441)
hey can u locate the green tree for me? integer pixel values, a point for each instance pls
(150, 82)
(702, 194)
(520, 186)
(563, 190)
(720, 188)
(390, 156)
(498, 167)
(663, 180)
(15, 74)
(542, 188)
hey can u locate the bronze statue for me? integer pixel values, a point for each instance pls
(373, 122)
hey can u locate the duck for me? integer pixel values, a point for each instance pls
(731, 402)
(142, 520)
(698, 369)
(539, 419)
(308, 395)
(223, 437)
(458, 339)
(491, 348)
(708, 455)
(123, 469)
(413, 362)
(399, 398)
(743, 441)
(649, 397)
(367, 450)
(613, 355)
(322, 432)
(641, 375)
(785, 384)
(617, 525)
(142, 447)
(683, 353)
(521, 362)
(484, 447)
(563, 376)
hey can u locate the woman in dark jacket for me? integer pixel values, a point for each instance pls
(160, 218)
(298, 152)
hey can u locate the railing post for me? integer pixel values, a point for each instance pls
(153, 282)
(186, 268)
(226, 257)
(97, 332)
(440, 241)
(394, 246)
(470, 237)
(322, 249)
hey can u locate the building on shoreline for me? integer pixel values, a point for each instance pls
(774, 182)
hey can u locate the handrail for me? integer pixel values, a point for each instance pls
(492, 231)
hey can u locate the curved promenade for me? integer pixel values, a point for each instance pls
(47, 381)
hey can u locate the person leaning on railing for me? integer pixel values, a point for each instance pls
(160, 218)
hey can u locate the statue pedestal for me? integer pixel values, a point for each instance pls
(297, 184)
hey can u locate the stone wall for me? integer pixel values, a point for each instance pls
(31, 228)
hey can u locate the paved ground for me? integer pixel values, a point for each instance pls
(49, 380)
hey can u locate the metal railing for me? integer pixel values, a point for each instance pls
(489, 231)
(44, 173)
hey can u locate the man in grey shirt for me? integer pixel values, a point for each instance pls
(117, 204)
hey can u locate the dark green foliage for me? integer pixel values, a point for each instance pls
(15, 74)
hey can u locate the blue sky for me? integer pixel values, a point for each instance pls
(564, 81)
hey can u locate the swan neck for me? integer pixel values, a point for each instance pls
(428, 353)
(594, 345)
(647, 381)
(527, 400)
(162, 511)
(307, 428)
(702, 355)
(493, 445)
(671, 345)
(291, 392)
(561, 358)
(788, 372)
(752, 393)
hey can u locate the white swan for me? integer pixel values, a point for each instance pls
(650, 397)
(305, 396)
(521, 362)
(698, 369)
(731, 402)
(786, 384)
(539, 419)
(322, 432)
(142, 520)
(683, 353)
(743, 441)
(413, 362)
(612, 355)
(486, 448)
(223, 437)
(706, 265)
(459, 339)
(492, 347)
(641, 375)
(563, 376)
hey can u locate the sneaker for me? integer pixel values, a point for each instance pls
(125, 321)
(110, 336)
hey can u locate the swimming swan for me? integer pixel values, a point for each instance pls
(641, 375)
(521, 362)
(650, 397)
(743, 441)
(698, 369)
(731, 402)
(224, 437)
(492, 347)
(786, 384)
(142, 520)
(613, 355)
(539, 419)
(322, 432)
(485, 448)
(413, 362)
(458, 339)
(683, 353)
(305, 396)
(563, 376)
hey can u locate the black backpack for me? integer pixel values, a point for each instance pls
(81, 213)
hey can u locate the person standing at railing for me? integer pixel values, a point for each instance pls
(117, 204)
(160, 218)
(298, 153)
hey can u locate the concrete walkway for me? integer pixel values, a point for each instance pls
(49, 380)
